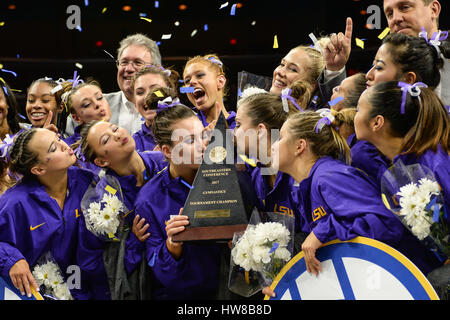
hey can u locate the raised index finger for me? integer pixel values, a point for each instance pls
(349, 28)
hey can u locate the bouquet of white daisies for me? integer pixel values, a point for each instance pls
(103, 208)
(49, 278)
(413, 194)
(259, 253)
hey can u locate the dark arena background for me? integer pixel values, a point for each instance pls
(35, 40)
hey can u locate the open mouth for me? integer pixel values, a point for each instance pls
(279, 84)
(198, 95)
(37, 116)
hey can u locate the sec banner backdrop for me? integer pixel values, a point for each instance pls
(358, 269)
(9, 292)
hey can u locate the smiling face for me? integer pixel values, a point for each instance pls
(293, 67)
(40, 102)
(133, 59)
(189, 143)
(110, 143)
(208, 85)
(383, 68)
(53, 153)
(409, 16)
(88, 103)
(142, 86)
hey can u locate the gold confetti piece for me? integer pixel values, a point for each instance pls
(110, 189)
(194, 32)
(79, 65)
(104, 10)
(359, 43)
(384, 34)
(1, 67)
(146, 19)
(2, 23)
(275, 42)
(159, 94)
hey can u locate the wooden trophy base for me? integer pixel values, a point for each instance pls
(212, 233)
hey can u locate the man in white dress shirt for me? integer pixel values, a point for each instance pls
(134, 53)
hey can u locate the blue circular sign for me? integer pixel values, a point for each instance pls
(358, 269)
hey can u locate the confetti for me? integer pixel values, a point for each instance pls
(2, 23)
(1, 67)
(233, 9)
(79, 28)
(253, 23)
(359, 43)
(146, 19)
(384, 33)
(275, 42)
(159, 94)
(334, 102)
(104, 10)
(109, 54)
(223, 5)
(166, 36)
(177, 23)
(9, 71)
(86, 2)
(142, 14)
(205, 27)
(156, 4)
(187, 89)
(194, 32)
(110, 189)
(79, 65)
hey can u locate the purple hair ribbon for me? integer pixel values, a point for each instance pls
(413, 89)
(166, 71)
(76, 79)
(215, 61)
(79, 154)
(285, 96)
(435, 39)
(4, 147)
(326, 120)
(167, 103)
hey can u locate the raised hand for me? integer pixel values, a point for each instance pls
(48, 125)
(337, 52)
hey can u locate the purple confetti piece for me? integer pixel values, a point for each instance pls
(274, 247)
(187, 89)
(334, 102)
(233, 9)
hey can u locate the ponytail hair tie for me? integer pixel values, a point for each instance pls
(412, 89)
(326, 120)
(167, 103)
(215, 61)
(285, 96)
(5, 147)
(435, 39)
(79, 154)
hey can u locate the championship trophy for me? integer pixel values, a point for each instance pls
(215, 204)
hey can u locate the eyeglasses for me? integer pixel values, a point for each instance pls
(137, 64)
